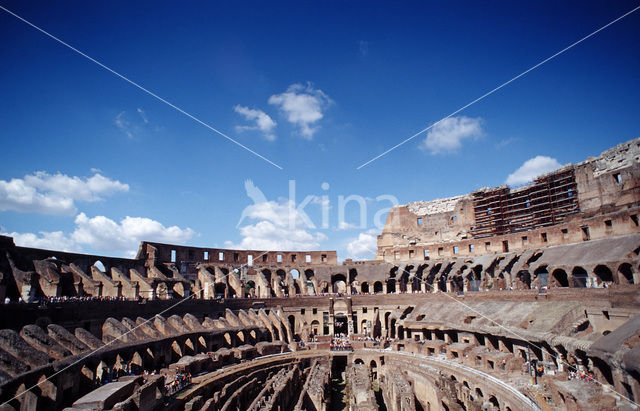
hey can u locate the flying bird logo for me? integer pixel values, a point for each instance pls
(255, 194)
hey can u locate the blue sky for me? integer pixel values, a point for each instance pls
(91, 163)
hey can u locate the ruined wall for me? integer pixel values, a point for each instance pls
(595, 199)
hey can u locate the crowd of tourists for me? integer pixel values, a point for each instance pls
(177, 383)
(582, 376)
(340, 343)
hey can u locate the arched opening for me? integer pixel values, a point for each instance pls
(364, 288)
(626, 273)
(309, 273)
(353, 275)
(363, 327)
(220, 289)
(579, 277)
(525, 277)
(280, 282)
(340, 324)
(189, 348)
(560, 277)
(267, 275)
(98, 264)
(494, 401)
(292, 324)
(479, 392)
(392, 328)
(377, 287)
(339, 283)
(603, 273)
(391, 286)
(315, 327)
(250, 287)
(542, 276)
(359, 361)
(176, 352)
(374, 369)
(295, 274)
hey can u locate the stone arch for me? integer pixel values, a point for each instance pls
(267, 275)
(525, 278)
(392, 328)
(494, 401)
(479, 392)
(189, 348)
(102, 372)
(377, 287)
(295, 274)
(603, 273)
(100, 266)
(220, 290)
(391, 286)
(579, 276)
(353, 275)
(405, 278)
(292, 323)
(364, 287)
(315, 327)
(560, 277)
(625, 273)
(176, 351)
(358, 361)
(339, 283)
(137, 363)
(227, 339)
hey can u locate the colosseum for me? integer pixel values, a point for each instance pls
(501, 299)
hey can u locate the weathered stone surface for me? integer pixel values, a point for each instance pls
(66, 339)
(148, 328)
(192, 322)
(87, 338)
(137, 331)
(114, 331)
(178, 324)
(41, 341)
(11, 342)
(10, 365)
(163, 326)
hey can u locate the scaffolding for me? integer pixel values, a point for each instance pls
(546, 202)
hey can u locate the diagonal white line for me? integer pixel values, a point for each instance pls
(133, 83)
(116, 339)
(498, 88)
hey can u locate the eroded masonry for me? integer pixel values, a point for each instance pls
(508, 299)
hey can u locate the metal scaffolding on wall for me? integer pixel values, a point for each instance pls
(544, 203)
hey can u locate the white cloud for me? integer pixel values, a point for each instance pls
(532, 168)
(263, 122)
(343, 225)
(55, 240)
(143, 115)
(448, 134)
(45, 193)
(123, 124)
(280, 226)
(364, 246)
(303, 106)
(106, 236)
